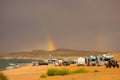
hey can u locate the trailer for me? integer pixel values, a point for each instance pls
(81, 61)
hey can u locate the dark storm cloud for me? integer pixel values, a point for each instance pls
(72, 24)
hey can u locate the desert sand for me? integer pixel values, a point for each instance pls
(30, 72)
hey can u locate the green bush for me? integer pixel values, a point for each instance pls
(82, 70)
(52, 72)
(3, 77)
(63, 72)
(43, 76)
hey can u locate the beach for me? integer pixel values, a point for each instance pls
(30, 72)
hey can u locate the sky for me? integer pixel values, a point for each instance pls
(89, 25)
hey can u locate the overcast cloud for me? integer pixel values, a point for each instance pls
(92, 25)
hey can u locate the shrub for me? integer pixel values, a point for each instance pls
(52, 72)
(82, 70)
(3, 77)
(43, 76)
(63, 72)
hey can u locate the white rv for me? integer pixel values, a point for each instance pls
(81, 61)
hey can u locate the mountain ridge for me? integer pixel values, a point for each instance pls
(50, 54)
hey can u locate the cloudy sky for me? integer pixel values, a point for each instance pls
(90, 25)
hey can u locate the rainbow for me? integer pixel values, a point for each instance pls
(52, 46)
(100, 41)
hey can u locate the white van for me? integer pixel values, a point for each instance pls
(81, 61)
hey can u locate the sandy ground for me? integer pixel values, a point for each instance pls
(30, 72)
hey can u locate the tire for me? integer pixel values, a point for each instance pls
(117, 65)
(106, 66)
(99, 65)
(109, 66)
(113, 66)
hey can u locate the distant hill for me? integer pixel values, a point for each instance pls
(56, 53)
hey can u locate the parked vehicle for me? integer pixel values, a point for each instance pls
(52, 61)
(66, 62)
(81, 61)
(73, 62)
(112, 63)
(91, 61)
(42, 62)
(34, 63)
(58, 62)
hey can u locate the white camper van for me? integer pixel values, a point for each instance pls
(81, 61)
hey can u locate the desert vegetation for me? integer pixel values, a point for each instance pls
(3, 77)
(43, 76)
(64, 71)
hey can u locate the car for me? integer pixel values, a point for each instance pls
(66, 63)
(52, 61)
(42, 62)
(72, 62)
